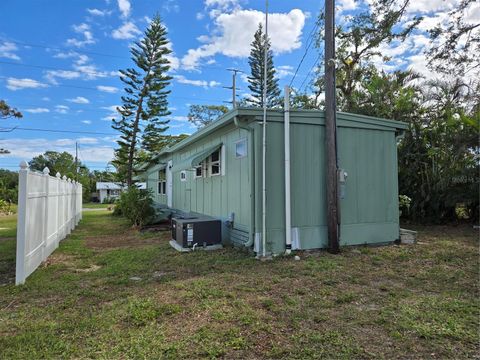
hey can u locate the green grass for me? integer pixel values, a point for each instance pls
(95, 205)
(388, 302)
(8, 226)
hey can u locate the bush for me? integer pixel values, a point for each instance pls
(136, 205)
(109, 200)
(6, 207)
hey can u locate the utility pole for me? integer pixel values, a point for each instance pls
(331, 129)
(234, 86)
(76, 161)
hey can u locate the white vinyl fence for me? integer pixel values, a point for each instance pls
(49, 208)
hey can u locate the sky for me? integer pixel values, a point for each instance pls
(59, 61)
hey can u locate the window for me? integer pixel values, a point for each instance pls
(162, 182)
(183, 175)
(199, 171)
(241, 148)
(214, 163)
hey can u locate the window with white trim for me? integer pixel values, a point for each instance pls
(162, 182)
(214, 162)
(199, 171)
(183, 175)
(241, 148)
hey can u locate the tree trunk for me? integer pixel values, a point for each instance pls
(133, 144)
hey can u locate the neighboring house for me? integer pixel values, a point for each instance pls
(218, 172)
(108, 190)
(111, 190)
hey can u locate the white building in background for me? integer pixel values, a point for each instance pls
(111, 190)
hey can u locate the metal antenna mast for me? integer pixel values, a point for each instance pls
(264, 140)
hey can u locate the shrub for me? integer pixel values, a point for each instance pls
(109, 200)
(136, 205)
(5, 207)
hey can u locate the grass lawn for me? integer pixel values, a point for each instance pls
(387, 302)
(95, 205)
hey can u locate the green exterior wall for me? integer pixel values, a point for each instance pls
(367, 151)
(219, 195)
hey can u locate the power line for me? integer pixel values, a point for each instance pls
(55, 68)
(56, 131)
(95, 89)
(59, 48)
(309, 43)
(308, 74)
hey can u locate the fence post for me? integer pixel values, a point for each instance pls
(58, 213)
(80, 209)
(21, 222)
(64, 207)
(69, 196)
(46, 176)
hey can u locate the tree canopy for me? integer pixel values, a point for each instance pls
(145, 103)
(256, 60)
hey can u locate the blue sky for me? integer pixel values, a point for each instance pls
(59, 61)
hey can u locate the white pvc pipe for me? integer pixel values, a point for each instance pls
(288, 216)
(264, 142)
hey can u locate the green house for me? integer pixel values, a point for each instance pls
(217, 171)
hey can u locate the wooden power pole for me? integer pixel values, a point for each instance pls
(234, 87)
(331, 129)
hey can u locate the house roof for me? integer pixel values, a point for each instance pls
(108, 186)
(274, 114)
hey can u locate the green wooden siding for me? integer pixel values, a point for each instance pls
(369, 211)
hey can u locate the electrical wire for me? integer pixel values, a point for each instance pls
(95, 89)
(66, 49)
(308, 74)
(309, 44)
(56, 131)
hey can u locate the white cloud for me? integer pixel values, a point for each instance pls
(233, 34)
(174, 61)
(87, 140)
(170, 6)
(345, 5)
(18, 84)
(217, 7)
(45, 98)
(97, 12)
(204, 83)
(79, 100)
(7, 50)
(38, 110)
(284, 71)
(84, 30)
(113, 112)
(127, 31)
(107, 89)
(82, 69)
(88, 122)
(62, 109)
(52, 75)
(179, 118)
(124, 7)
(431, 6)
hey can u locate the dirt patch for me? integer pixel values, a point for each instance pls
(89, 269)
(59, 258)
(122, 240)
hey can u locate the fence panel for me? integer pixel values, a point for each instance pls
(49, 208)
